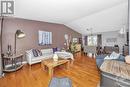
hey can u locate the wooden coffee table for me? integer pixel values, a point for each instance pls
(50, 64)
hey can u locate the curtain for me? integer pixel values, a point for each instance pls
(99, 40)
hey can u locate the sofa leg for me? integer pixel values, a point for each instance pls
(30, 67)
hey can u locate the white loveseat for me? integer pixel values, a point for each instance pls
(46, 54)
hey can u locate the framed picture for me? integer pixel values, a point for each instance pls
(45, 38)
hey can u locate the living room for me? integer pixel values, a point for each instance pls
(64, 43)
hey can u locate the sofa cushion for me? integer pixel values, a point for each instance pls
(46, 51)
(48, 55)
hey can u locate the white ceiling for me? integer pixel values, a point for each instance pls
(68, 12)
(112, 19)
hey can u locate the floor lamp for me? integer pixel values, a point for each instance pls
(18, 35)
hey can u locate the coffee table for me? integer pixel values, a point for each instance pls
(51, 64)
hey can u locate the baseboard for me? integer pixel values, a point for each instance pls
(24, 62)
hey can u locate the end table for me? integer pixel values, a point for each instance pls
(12, 62)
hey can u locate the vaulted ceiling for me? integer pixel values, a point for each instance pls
(101, 15)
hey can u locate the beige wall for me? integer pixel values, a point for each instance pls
(31, 30)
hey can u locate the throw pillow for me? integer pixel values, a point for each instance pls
(55, 50)
(114, 55)
(107, 57)
(39, 52)
(34, 51)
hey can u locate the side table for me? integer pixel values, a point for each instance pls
(12, 62)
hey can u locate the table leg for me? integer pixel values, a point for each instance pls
(43, 66)
(4, 63)
(67, 65)
(51, 72)
(15, 65)
(21, 60)
(12, 62)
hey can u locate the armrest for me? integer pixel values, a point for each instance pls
(29, 56)
(100, 60)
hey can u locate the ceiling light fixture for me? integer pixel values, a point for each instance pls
(90, 30)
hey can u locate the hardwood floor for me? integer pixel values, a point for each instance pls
(83, 73)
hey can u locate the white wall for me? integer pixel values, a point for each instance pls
(121, 40)
(111, 19)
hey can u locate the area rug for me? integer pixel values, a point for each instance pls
(60, 82)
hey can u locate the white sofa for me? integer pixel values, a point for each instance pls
(46, 54)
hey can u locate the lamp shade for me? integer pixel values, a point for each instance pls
(20, 34)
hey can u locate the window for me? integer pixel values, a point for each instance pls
(92, 40)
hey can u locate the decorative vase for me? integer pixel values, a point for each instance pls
(55, 57)
(9, 52)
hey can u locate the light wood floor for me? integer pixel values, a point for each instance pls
(83, 73)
